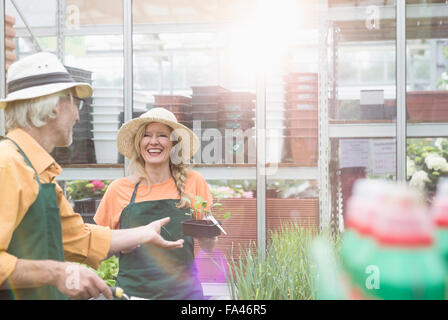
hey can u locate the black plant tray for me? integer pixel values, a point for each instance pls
(200, 228)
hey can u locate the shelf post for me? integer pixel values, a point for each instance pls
(128, 64)
(401, 90)
(60, 26)
(323, 141)
(261, 161)
(2, 64)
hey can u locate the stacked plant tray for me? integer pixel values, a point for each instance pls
(301, 96)
(205, 108)
(236, 123)
(205, 105)
(275, 117)
(81, 151)
(107, 116)
(177, 104)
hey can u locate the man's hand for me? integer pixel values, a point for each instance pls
(126, 240)
(78, 282)
(72, 279)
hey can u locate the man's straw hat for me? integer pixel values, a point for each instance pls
(39, 75)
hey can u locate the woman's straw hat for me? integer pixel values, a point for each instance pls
(39, 75)
(189, 142)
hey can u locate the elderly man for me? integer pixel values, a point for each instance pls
(39, 231)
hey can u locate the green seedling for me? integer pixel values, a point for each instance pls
(200, 209)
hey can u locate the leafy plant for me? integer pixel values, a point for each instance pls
(201, 209)
(83, 189)
(427, 163)
(285, 273)
(108, 270)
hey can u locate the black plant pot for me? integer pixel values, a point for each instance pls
(86, 208)
(200, 228)
(85, 205)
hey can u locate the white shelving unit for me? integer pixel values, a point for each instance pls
(387, 130)
(210, 172)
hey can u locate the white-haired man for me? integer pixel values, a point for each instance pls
(39, 231)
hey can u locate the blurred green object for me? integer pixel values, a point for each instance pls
(329, 278)
(409, 274)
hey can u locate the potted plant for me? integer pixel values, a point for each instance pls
(202, 223)
(85, 195)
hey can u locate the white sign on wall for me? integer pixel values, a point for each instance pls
(354, 153)
(384, 156)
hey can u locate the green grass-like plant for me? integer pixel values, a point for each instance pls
(287, 272)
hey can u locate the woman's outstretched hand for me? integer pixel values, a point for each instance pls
(151, 235)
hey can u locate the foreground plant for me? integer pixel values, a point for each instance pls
(287, 272)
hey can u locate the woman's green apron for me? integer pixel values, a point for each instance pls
(38, 237)
(153, 273)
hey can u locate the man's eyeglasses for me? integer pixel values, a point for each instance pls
(79, 102)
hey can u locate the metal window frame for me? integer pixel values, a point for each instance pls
(2, 65)
(401, 89)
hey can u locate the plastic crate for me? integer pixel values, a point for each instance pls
(79, 152)
(204, 99)
(207, 107)
(300, 114)
(301, 96)
(304, 151)
(236, 106)
(301, 77)
(302, 123)
(301, 87)
(236, 115)
(206, 115)
(208, 90)
(302, 105)
(174, 107)
(236, 124)
(238, 97)
(171, 99)
(303, 132)
(80, 75)
(208, 124)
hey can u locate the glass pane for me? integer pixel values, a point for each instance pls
(97, 58)
(362, 107)
(427, 97)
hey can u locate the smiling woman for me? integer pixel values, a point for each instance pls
(155, 145)
(159, 181)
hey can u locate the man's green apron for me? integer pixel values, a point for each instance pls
(38, 237)
(153, 273)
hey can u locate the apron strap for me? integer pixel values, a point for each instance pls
(134, 194)
(28, 162)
